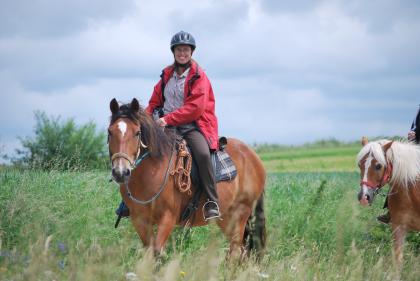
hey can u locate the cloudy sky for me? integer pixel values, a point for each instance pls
(283, 72)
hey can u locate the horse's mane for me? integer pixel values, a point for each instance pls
(375, 148)
(404, 157)
(158, 143)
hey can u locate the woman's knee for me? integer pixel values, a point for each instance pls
(202, 155)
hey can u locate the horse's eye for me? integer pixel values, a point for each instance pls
(378, 166)
(109, 133)
(138, 134)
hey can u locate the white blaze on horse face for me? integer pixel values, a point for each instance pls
(123, 127)
(368, 163)
(122, 163)
(121, 166)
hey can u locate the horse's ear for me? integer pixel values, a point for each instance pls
(135, 106)
(114, 106)
(386, 146)
(364, 141)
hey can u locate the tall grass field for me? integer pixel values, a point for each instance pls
(60, 226)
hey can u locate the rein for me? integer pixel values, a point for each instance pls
(385, 179)
(136, 163)
(162, 187)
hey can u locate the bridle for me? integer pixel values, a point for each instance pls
(162, 186)
(386, 178)
(137, 162)
(133, 164)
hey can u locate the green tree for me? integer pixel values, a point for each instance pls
(63, 145)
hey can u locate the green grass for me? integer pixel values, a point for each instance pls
(311, 159)
(59, 226)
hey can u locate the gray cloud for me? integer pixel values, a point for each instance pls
(237, 38)
(298, 6)
(381, 16)
(282, 72)
(49, 18)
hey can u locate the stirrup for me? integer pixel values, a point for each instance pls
(215, 208)
(122, 210)
(385, 218)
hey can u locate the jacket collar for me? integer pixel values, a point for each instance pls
(194, 73)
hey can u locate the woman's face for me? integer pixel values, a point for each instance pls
(182, 53)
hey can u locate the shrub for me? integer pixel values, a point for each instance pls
(62, 145)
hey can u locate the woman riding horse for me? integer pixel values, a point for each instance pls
(142, 156)
(143, 161)
(183, 98)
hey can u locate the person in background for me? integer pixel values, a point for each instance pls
(413, 136)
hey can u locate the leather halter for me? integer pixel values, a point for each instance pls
(122, 155)
(385, 179)
(126, 157)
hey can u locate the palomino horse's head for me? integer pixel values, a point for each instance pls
(375, 169)
(124, 139)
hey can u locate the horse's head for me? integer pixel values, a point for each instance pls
(375, 170)
(124, 139)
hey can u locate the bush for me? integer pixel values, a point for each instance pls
(2, 153)
(61, 145)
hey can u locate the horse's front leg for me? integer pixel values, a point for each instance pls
(144, 230)
(398, 235)
(164, 229)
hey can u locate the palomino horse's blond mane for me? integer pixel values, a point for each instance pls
(404, 157)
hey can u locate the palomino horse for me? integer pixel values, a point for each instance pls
(142, 155)
(396, 163)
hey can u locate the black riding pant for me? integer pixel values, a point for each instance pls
(201, 151)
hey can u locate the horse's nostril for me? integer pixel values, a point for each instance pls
(367, 197)
(127, 172)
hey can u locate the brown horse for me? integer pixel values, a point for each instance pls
(142, 155)
(396, 163)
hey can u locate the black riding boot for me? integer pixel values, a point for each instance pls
(211, 207)
(122, 210)
(385, 218)
(202, 156)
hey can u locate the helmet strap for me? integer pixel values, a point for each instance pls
(182, 65)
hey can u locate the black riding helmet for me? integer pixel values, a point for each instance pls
(182, 38)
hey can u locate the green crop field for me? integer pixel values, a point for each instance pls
(311, 159)
(59, 226)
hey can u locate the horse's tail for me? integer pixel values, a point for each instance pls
(255, 233)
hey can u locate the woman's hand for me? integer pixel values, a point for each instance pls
(162, 122)
(411, 136)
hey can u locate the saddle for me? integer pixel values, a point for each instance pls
(185, 172)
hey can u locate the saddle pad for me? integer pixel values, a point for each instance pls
(223, 166)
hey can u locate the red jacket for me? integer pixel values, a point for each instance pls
(199, 103)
